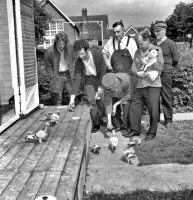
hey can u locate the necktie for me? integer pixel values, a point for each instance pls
(119, 46)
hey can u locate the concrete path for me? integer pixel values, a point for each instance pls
(180, 116)
(108, 172)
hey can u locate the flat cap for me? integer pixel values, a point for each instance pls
(160, 26)
(109, 80)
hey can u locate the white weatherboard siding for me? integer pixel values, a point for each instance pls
(18, 68)
(27, 56)
(6, 90)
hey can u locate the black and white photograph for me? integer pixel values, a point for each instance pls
(96, 100)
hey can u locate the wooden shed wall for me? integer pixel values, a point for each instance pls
(28, 38)
(6, 90)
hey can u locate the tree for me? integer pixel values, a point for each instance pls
(180, 23)
(41, 20)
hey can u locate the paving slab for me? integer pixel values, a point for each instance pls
(180, 116)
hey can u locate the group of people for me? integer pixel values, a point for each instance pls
(114, 79)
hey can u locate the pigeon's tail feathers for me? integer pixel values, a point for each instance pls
(32, 137)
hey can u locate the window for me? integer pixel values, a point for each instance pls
(53, 33)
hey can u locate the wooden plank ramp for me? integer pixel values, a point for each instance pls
(55, 167)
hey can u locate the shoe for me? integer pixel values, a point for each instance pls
(119, 128)
(150, 136)
(168, 125)
(95, 128)
(102, 122)
(131, 134)
(124, 131)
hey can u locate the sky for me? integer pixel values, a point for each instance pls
(131, 12)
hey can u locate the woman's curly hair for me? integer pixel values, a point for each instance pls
(61, 36)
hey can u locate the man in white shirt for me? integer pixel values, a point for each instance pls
(118, 54)
(119, 50)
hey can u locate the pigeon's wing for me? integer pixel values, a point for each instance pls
(40, 134)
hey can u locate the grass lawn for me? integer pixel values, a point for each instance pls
(143, 195)
(174, 145)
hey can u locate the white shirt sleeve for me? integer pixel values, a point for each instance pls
(132, 47)
(106, 49)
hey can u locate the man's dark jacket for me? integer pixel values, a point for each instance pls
(79, 72)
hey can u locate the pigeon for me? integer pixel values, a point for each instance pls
(129, 153)
(135, 141)
(113, 143)
(95, 149)
(53, 117)
(40, 135)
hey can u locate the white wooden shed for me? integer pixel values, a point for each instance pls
(18, 68)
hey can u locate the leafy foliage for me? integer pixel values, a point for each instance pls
(183, 80)
(41, 19)
(44, 88)
(180, 23)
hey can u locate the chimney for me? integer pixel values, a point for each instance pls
(84, 14)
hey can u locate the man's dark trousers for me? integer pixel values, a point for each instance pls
(166, 95)
(97, 108)
(148, 96)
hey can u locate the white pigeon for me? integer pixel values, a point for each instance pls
(129, 154)
(40, 135)
(113, 143)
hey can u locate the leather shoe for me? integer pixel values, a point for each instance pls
(150, 136)
(131, 134)
(95, 128)
(118, 128)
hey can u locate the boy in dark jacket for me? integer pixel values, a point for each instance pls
(90, 67)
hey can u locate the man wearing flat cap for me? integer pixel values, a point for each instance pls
(171, 59)
(117, 90)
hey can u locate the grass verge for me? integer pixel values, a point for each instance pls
(185, 194)
(173, 145)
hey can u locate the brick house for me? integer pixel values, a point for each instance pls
(61, 22)
(133, 31)
(93, 28)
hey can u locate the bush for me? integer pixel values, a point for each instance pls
(44, 88)
(183, 80)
